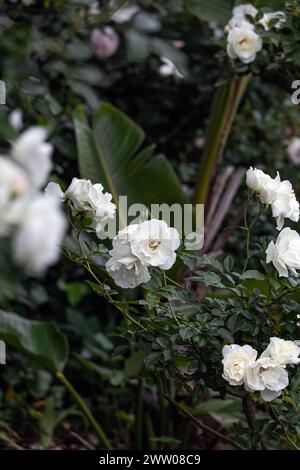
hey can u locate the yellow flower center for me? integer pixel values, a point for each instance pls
(153, 244)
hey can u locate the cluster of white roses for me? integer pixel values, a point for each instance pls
(138, 246)
(268, 374)
(285, 252)
(33, 220)
(87, 199)
(135, 248)
(243, 42)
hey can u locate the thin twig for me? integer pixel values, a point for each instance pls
(203, 426)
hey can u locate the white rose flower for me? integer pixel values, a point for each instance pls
(256, 179)
(243, 44)
(124, 267)
(239, 17)
(236, 360)
(154, 243)
(246, 9)
(266, 376)
(14, 184)
(293, 150)
(89, 199)
(272, 191)
(282, 351)
(36, 244)
(276, 19)
(262, 184)
(285, 253)
(33, 152)
(54, 190)
(285, 205)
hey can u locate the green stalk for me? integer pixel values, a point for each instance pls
(84, 408)
(150, 432)
(162, 407)
(226, 101)
(139, 416)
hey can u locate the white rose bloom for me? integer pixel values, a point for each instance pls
(243, 44)
(246, 9)
(262, 184)
(33, 152)
(235, 362)
(266, 376)
(239, 17)
(272, 191)
(256, 179)
(277, 19)
(54, 190)
(126, 269)
(285, 253)
(283, 352)
(36, 244)
(293, 150)
(14, 184)
(285, 205)
(89, 199)
(154, 243)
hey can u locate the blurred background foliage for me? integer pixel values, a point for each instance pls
(52, 61)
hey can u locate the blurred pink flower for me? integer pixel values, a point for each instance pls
(105, 41)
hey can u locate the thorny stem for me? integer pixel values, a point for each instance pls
(249, 228)
(174, 282)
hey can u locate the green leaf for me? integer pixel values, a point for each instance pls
(107, 154)
(228, 263)
(40, 340)
(207, 278)
(253, 274)
(273, 4)
(134, 364)
(186, 332)
(218, 11)
(206, 260)
(238, 323)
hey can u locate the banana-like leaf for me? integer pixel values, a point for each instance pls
(38, 339)
(217, 11)
(108, 153)
(273, 4)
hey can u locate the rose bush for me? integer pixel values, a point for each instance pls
(170, 347)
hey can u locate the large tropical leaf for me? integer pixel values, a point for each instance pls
(108, 152)
(269, 3)
(41, 340)
(217, 11)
